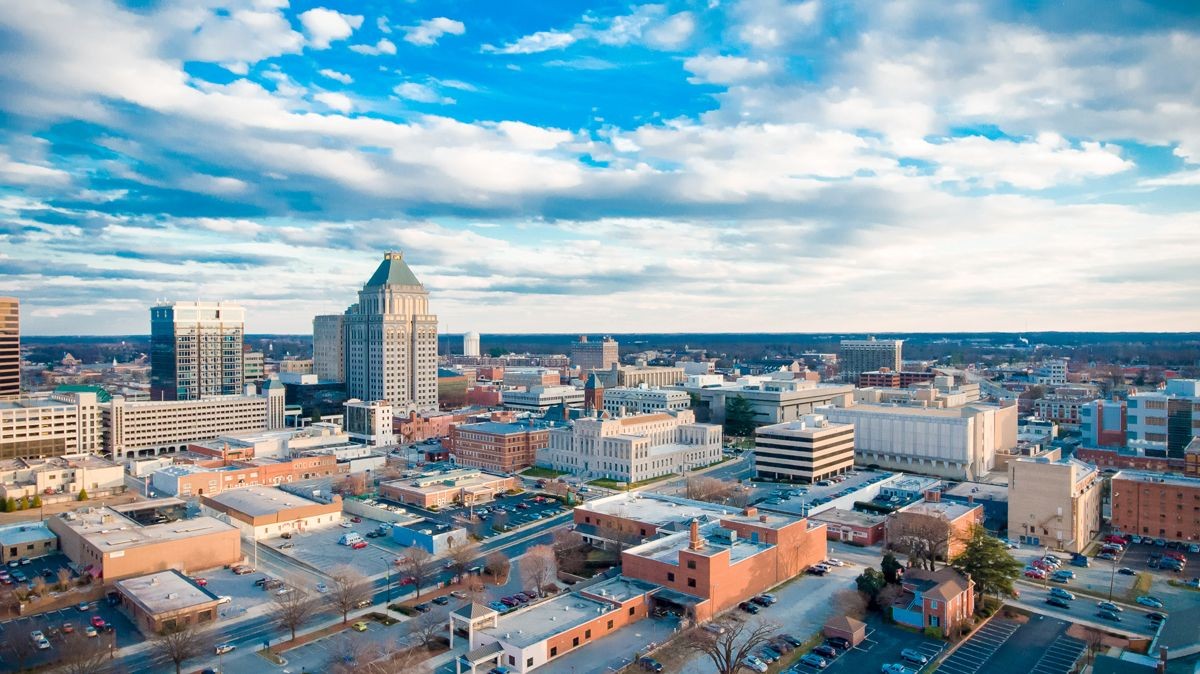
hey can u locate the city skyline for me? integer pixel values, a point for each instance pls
(605, 167)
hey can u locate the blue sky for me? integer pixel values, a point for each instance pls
(683, 166)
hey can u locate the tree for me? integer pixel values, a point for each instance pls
(83, 495)
(10, 505)
(727, 650)
(498, 565)
(64, 579)
(497, 351)
(475, 590)
(22, 503)
(420, 565)
(348, 589)
(571, 551)
(179, 644)
(81, 655)
(891, 568)
(293, 609)
(870, 582)
(37, 501)
(850, 603)
(16, 647)
(923, 538)
(539, 567)
(987, 560)
(428, 628)
(462, 557)
(739, 417)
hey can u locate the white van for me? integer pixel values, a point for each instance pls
(349, 538)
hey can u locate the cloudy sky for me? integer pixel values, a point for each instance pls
(719, 165)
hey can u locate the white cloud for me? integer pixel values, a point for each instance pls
(725, 69)
(546, 40)
(1180, 178)
(20, 173)
(382, 24)
(1047, 161)
(429, 31)
(335, 75)
(648, 25)
(335, 101)
(420, 93)
(324, 26)
(384, 46)
(672, 33)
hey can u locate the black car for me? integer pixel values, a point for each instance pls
(423, 607)
(442, 600)
(749, 608)
(815, 571)
(837, 642)
(796, 642)
(825, 651)
(1109, 615)
(781, 645)
(650, 664)
(1156, 616)
(761, 601)
(1059, 602)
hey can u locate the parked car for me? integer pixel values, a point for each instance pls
(813, 660)
(457, 594)
(768, 654)
(442, 600)
(914, 656)
(322, 588)
(68, 628)
(423, 607)
(748, 607)
(90, 631)
(97, 622)
(1135, 539)
(896, 668)
(359, 545)
(83, 606)
(1147, 600)
(1035, 573)
(715, 628)
(650, 664)
(817, 570)
(837, 642)
(755, 664)
(1155, 616)
(825, 651)
(762, 600)
(360, 626)
(1108, 556)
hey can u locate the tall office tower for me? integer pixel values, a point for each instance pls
(600, 355)
(391, 341)
(868, 355)
(471, 344)
(10, 348)
(254, 366)
(329, 348)
(196, 350)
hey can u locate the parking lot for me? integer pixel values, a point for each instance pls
(883, 645)
(51, 624)
(1039, 646)
(512, 511)
(46, 567)
(784, 497)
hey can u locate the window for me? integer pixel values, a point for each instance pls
(610, 624)
(553, 651)
(670, 575)
(691, 564)
(528, 662)
(691, 582)
(512, 660)
(631, 609)
(587, 634)
(575, 641)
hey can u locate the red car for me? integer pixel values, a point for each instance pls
(356, 519)
(408, 580)
(1113, 538)
(359, 545)
(1035, 573)
(202, 582)
(1176, 555)
(97, 622)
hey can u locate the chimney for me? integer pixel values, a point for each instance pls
(762, 518)
(933, 496)
(696, 543)
(750, 511)
(1161, 666)
(971, 499)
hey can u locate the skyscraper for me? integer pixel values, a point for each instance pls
(599, 355)
(868, 355)
(10, 348)
(391, 341)
(329, 352)
(196, 350)
(471, 344)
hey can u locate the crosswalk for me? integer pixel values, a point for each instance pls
(972, 656)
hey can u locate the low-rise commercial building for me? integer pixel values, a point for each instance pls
(56, 425)
(530, 377)
(633, 449)
(267, 512)
(166, 601)
(68, 475)
(1054, 502)
(773, 401)
(850, 526)
(26, 541)
(944, 525)
(541, 398)
(114, 542)
(444, 488)
(432, 537)
(208, 478)
(806, 450)
(498, 447)
(1156, 505)
(623, 401)
(943, 600)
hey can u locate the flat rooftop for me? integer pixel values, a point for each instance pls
(57, 463)
(256, 501)
(667, 549)
(655, 509)
(110, 531)
(526, 627)
(848, 517)
(1160, 478)
(950, 509)
(980, 490)
(165, 592)
(455, 479)
(620, 589)
(496, 428)
(33, 403)
(20, 534)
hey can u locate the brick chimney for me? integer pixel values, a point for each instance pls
(749, 511)
(696, 542)
(933, 496)
(762, 518)
(971, 499)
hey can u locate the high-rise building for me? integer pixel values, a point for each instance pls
(10, 348)
(370, 422)
(806, 450)
(391, 340)
(1165, 421)
(868, 355)
(196, 350)
(254, 366)
(600, 355)
(1054, 501)
(66, 422)
(471, 344)
(329, 352)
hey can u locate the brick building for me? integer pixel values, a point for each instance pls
(942, 599)
(1152, 504)
(418, 427)
(166, 600)
(500, 448)
(851, 526)
(946, 524)
(207, 478)
(444, 488)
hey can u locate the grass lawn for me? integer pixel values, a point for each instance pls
(538, 471)
(617, 485)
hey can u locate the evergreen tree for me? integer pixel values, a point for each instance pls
(739, 417)
(891, 568)
(83, 496)
(10, 505)
(988, 562)
(21, 503)
(870, 583)
(37, 501)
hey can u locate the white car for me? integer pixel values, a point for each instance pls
(896, 668)
(1152, 602)
(322, 588)
(222, 649)
(714, 628)
(834, 562)
(755, 664)
(224, 599)
(345, 524)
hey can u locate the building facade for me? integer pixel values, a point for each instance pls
(600, 355)
(391, 340)
(155, 427)
(189, 480)
(471, 344)
(943, 600)
(946, 525)
(167, 600)
(772, 401)
(267, 512)
(806, 450)
(1156, 505)
(1103, 423)
(370, 422)
(329, 347)
(497, 447)
(443, 488)
(1169, 418)
(868, 355)
(67, 474)
(635, 448)
(254, 366)
(196, 350)
(61, 424)
(10, 348)
(1054, 502)
(624, 401)
(539, 399)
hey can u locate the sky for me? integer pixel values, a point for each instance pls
(712, 166)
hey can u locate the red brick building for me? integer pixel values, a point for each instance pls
(1157, 505)
(497, 447)
(942, 599)
(852, 527)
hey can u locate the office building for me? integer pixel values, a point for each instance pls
(958, 443)
(1064, 410)
(154, 427)
(1054, 501)
(773, 401)
(65, 475)
(1053, 372)
(497, 447)
(115, 542)
(888, 378)
(539, 399)
(529, 377)
(208, 478)
(370, 422)
(806, 450)
(600, 355)
(166, 600)
(196, 350)
(471, 344)
(868, 355)
(624, 401)
(633, 449)
(63, 423)
(1103, 423)
(1156, 505)
(295, 366)
(10, 348)
(443, 488)
(254, 366)
(633, 376)
(391, 340)
(261, 512)
(329, 347)
(431, 536)
(1167, 419)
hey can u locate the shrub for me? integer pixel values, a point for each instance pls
(933, 632)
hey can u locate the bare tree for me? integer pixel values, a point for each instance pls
(498, 565)
(570, 550)
(428, 628)
(1094, 639)
(539, 567)
(180, 644)
(394, 659)
(728, 649)
(348, 589)
(39, 586)
(294, 608)
(348, 655)
(461, 556)
(475, 590)
(64, 579)
(17, 646)
(420, 565)
(81, 655)
(924, 539)
(849, 603)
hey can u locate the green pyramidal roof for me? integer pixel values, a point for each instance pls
(393, 271)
